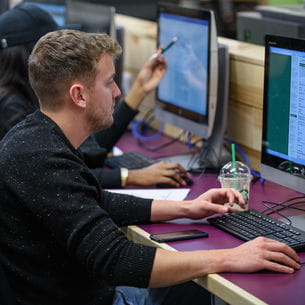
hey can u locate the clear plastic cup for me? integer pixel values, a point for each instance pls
(238, 178)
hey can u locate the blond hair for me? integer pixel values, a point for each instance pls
(64, 56)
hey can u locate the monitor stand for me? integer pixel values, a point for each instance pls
(190, 161)
(213, 155)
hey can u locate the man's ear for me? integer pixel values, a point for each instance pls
(78, 95)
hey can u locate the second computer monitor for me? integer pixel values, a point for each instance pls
(283, 144)
(187, 95)
(93, 17)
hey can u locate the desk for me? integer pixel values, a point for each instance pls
(243, 289)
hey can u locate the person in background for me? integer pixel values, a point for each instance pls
(60, 241)
(20, 28)
(4, 5)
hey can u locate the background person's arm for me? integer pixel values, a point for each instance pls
(147, 80)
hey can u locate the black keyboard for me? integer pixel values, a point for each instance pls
(250, 224)
(131, 160)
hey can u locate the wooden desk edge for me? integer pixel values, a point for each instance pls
(214, 283)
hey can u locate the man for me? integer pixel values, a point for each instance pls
(59, 236)
(20, 29)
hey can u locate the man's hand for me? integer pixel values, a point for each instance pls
(255, 255)
(262, 253)
(213, 201)
(205, 205)
(161, 172)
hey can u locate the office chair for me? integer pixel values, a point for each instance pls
(6, 294)
(97, 18)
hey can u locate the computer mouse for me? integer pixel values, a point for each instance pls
(188, 181)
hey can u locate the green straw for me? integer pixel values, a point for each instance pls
(233, 160)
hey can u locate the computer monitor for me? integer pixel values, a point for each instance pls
(93, 17)
(97, 18)
(187, 96)
(56, 8)
(283, 143)
(144, 9)
(252, 26)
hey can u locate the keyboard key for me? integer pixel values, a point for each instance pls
(131, 160)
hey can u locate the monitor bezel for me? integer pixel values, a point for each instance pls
(192, 13)
(269, 162)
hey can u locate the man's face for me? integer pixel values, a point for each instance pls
(102, 96)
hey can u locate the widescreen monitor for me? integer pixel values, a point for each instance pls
(283, 143)
(187, 95)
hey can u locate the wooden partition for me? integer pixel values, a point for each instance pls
(246, 83)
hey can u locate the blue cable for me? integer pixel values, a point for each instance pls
(189, 141)
(134, 128)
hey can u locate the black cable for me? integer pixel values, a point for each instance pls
(283, 206)
(276, 212)
(277, 207)
(284, 201)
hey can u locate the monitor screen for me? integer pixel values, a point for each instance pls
(283, 144)
(188, 89)
(56, 8)
(185, 82)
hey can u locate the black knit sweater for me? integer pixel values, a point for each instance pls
(59, 236)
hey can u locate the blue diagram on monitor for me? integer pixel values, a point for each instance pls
(185, 83)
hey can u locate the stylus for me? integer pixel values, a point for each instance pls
(171, 43)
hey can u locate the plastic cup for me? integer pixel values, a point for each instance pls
(236, 175)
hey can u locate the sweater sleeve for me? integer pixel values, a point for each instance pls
(126, 209)
(60, 192)
(108, 178)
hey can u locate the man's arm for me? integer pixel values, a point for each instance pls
(207, 204)
(259, 254)
(174, 267)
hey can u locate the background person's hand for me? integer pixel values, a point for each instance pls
(161, 172)
(152, 72)
(147, 80)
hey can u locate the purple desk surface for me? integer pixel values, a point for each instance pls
(129, 143)
(272, 288)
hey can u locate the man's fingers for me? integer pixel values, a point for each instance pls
(276, 246)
